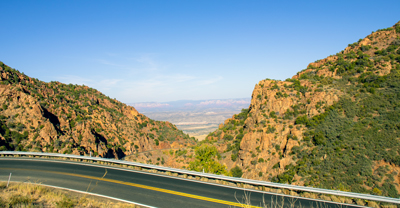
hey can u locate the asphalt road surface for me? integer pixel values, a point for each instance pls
(143, 187)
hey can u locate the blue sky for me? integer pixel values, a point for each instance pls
(144, 51)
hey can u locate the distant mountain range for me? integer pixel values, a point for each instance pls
(193, 105)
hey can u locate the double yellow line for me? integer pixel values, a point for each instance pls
(155, 189)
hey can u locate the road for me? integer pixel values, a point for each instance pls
(142, 187)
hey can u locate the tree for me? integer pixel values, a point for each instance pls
(206, 159)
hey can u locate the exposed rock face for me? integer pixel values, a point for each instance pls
(55, 117)
(270, 131)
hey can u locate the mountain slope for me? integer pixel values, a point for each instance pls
(333, 125)
(55, 117)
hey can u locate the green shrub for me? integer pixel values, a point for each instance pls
(234, 157)
(228, 137)
(236, 172)
(272, 114)
(180, 152)
(302, 120)
(365, 47)
(270, 129)
(275, 166)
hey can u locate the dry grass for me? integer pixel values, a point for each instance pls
(36, 195)
(276, 201)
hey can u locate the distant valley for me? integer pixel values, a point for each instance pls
(195, 117)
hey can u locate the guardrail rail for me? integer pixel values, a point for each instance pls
(241, 182)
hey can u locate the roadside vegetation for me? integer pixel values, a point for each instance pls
(206, 159)
(36, 195)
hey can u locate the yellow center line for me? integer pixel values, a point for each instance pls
(153, 189)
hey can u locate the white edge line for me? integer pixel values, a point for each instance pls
(232, 179)
(185, 179)
(84, 192)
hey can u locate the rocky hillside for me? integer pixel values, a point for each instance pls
(73, 119)
(334, 125)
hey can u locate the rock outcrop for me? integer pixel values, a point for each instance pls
(56, 117)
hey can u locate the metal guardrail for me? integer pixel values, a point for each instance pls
(213, 176)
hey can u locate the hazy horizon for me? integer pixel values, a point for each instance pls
(192, 105)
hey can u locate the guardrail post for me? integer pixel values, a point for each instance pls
(9, 178)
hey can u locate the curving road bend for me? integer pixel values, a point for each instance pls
(142, 187)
